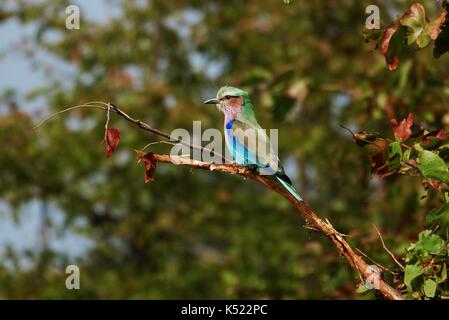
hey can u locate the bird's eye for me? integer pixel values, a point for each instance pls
(227, 97)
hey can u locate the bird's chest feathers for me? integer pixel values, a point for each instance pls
(228, 128)
(233, 107)
(232, 111)
(229, 124)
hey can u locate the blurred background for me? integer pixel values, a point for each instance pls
(192, 234)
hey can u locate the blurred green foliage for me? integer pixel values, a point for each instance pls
(202, 235)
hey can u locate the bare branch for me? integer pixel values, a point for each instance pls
(107, 124)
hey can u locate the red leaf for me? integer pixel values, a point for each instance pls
(434, 27)
(413, 163)
(377, 162)
(150, 164)
(403, 130)
(386, 174)
(392, 62)
(112, 140)
(379, 166)
(434, 139)
(435, 184)
(439, 134)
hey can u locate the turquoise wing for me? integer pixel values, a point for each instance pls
(245, 141)
(250, 145)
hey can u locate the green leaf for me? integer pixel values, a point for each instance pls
(432, 166)
(430, 287)
(415, 19)
(411, 272)
(433, 244)
(406, 156)
(396, 149)
(438, 215)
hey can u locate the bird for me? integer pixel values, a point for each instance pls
(240, 124)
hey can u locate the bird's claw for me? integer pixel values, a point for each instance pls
(252, 167)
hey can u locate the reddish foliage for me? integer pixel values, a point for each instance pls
(392, 62)
(112, 140)
(413, 163)
(361, 138)
(403, 130)
(435, 184)
(439, 134)
(150, 164)
(377, 162)
(434, 139)
(377, 148)
(435, 26)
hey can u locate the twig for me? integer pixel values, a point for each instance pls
(158, 142)
(106, 125)
(386, 249)
(375, 262)
(349, 130)
(90, 105)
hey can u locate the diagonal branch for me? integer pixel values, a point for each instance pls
(324, 227)
(314, 222)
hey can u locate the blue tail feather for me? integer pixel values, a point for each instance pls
(285, 181)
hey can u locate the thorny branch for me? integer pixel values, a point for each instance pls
(314, 222)
(324, 227)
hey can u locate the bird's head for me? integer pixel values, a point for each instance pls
(229, 99)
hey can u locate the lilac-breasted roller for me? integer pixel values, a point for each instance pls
(241, 127)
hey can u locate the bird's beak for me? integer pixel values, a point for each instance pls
(212, 101)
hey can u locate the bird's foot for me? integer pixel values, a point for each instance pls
(252, 167)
